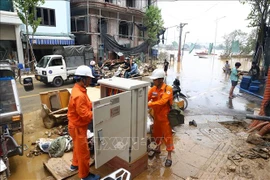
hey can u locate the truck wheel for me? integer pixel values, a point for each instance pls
(57, 81)
(48, 122)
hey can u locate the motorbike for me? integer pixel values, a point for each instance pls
(177, 95)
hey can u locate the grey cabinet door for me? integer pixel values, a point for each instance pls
(111, 120)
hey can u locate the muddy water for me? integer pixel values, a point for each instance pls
(199, 75)
(191, 67)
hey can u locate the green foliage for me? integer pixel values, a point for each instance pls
(26, 11)
(251, 42)
(236, 35)
(259, 13)
(154, 23)
(163, 55)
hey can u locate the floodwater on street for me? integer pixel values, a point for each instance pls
(204, 83)
(200, 74)
(206, 87)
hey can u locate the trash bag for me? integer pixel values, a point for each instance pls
(44, 144)
(59, 146)
(175, 115)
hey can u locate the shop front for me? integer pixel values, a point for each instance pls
(10, 40)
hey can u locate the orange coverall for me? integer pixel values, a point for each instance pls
(160, 100)
(79, 116)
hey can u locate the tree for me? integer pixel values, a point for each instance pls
(236, 35)
(251, 42)
(162, 56)
(258, 16)
(259, 13)
(154, 23)
(26, 10)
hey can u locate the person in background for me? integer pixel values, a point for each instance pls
(126, 66)
(79, 117)
(166, 65)
(254, 72)
(227, 69)
(96, 75)
(100, 63)
(234, 78)
(133, 70)
(160, 98)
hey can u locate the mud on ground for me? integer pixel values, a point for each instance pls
(247, 161)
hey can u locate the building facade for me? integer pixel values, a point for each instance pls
(54, 29)
(118, 18)
(10, 39)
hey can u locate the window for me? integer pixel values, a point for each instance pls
(123, 29)
(56, 62)
(130, 3)
(52, 17)
(6, 5)
(73, 25)
(81, 22)
(39, 13)
(47, 16)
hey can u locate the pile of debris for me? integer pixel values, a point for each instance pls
(252, 153)
(111, 68)
(54, 136)
(57, 143)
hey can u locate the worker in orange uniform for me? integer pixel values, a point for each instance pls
(79, 116)
(160, 97)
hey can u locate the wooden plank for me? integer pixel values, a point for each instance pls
(59, 167)
(59, 111)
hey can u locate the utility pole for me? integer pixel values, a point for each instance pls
(216, 32)
(184, 42)
(180, 39)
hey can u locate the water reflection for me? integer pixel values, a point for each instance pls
(230, 104)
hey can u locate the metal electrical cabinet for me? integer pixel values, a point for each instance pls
(119, 119)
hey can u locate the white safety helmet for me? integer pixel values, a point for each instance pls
(84, 70)
(92, 63)
(157, 74)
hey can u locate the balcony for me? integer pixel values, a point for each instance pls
(6, 5)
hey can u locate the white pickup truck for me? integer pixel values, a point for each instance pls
(57, 68)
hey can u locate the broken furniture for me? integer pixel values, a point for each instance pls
(54, 107)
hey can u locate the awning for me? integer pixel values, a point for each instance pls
(51, 40)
